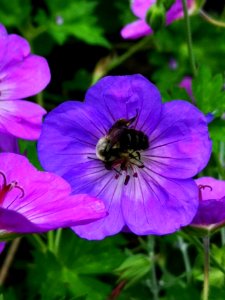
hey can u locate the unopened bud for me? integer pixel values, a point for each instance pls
(155, 16)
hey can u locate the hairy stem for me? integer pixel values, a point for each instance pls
(206, 244)
(189, 38)
(8, 260)
(183, 248)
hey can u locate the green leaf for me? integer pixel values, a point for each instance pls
(208, 91)
(134, 268)
(96, 254)
(77, 19)
(15, 13)
(217, 130)
(29, 149)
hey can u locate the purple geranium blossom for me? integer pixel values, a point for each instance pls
(140, 8)
(33, 201)
(211, 212)
(22, 74)
(148, 186)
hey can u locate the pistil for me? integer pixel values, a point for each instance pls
(6, 188)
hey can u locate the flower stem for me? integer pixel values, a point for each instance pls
(8, 260)
(154, 284)
(206, 244)
(50, 235)
(155, 289)
(189, 38)
(40, 99)
(57, 240)
(120, 59)
(38, 242)
(210, 20)
(183, 248)
(195, 241)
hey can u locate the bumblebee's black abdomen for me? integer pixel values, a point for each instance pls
(132, 139)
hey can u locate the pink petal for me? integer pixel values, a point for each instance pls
(136, 30)
(25, 78)
(140, 7)
(22, 119)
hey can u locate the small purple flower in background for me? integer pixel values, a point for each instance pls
(173, 64)
(22, 74)
(140, 8)
(123, 146)
(59, 20)
(32, 201)
(186, 83)
(211, 212)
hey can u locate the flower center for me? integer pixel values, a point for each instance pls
(6, 188)
(120, 150)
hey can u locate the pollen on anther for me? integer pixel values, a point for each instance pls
(117, 176)
(127, 179)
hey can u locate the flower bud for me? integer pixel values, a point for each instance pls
(156, 16)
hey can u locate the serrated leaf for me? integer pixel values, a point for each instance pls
(134, 268)
(96, 254)
(208, 91)
(15, 13)
(217, 130)
(77, 19)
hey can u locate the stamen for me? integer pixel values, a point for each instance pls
(5, 188)
(127, 179)
(14, 184)
(135, 175)
(117, 176)
(202, 187)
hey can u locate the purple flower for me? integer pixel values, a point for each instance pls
(140, 8)
(33, 201)
(125, 147)
(22, 74)
(211, 212)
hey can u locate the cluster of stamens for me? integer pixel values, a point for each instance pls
(5, 188)
(131, 160)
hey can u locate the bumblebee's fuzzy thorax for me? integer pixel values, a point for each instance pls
(121, 147)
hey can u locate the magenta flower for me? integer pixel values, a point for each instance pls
(22, 74)
(33, 201)
(140, 8)
(211, 212)
(136, 154)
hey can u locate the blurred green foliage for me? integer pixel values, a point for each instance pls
(81, 40)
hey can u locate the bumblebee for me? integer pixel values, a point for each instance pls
(121, 146)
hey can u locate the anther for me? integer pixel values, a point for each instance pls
(14, 184)
(135, 175)
(117, 176)
(127, 179)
